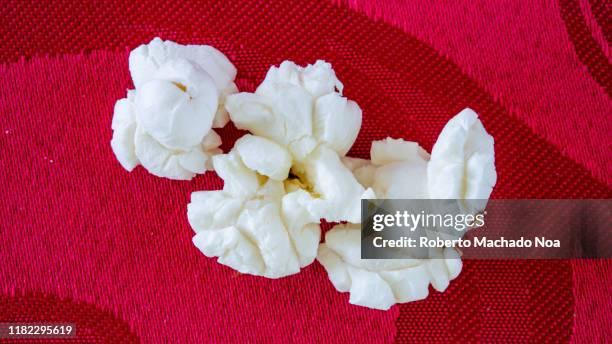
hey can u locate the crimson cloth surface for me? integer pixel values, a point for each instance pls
(84, 241)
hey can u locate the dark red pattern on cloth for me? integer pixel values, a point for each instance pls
(603, 11)
(587, 49)
(77, 227)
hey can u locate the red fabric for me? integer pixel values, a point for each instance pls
(83, 239)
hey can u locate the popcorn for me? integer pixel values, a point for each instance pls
(248, 225)
(300, 127)
(291, 171)
(307, 123)
(166, 123)
(264, 156)
(461, 166)
(465, 157)
(381, 283)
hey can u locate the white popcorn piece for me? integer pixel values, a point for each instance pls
(302, 111)
(147, 59)
(381, 283)
(264, 156)
(301, 126)
(166, 123)
(461, 165)
(252, 224)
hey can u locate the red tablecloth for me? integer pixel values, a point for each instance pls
(84, 241)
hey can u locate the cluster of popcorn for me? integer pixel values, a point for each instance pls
(291, 170)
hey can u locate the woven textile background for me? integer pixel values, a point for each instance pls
(82, 240)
